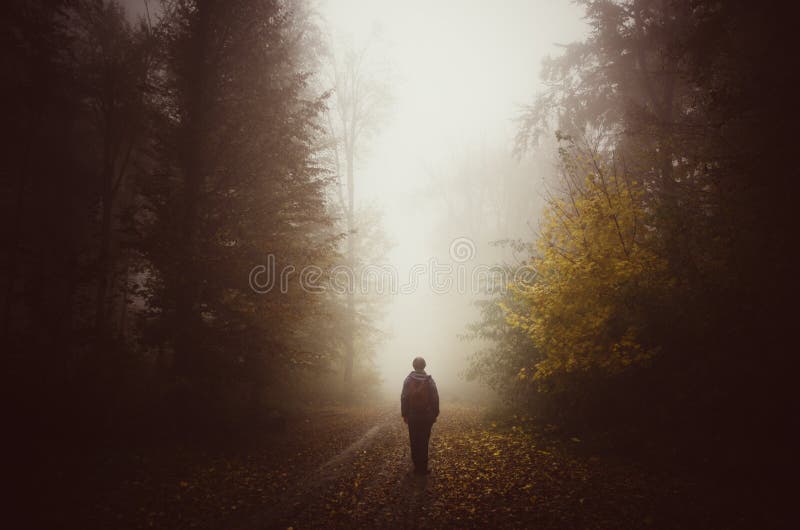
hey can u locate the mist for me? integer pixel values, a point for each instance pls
(456, 90)
(424, 264)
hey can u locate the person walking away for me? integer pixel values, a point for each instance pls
(419, 405)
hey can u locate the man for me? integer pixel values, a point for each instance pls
(419, 405)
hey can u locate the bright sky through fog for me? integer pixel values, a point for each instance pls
(461, 70)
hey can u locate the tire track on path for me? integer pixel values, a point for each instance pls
(304, 494)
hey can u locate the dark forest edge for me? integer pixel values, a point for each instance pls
(659, 315)
(151, 166)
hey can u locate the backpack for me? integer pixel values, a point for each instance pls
(419, 395)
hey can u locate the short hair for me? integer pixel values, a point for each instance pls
(419, 363)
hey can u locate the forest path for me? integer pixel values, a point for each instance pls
(350, 468)
(310, 496)
(482, 474)
(369, 483)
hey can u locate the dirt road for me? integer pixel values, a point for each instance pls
(350, 468)
(482, 474)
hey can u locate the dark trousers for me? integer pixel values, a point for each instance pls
(419, 433)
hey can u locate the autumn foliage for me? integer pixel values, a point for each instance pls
(659, 308)
(594, 264)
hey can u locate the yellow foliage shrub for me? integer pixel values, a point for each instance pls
(594, 268)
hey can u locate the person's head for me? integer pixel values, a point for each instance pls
(419, 363)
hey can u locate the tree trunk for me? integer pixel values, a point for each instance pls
(186, 360)
(123, 315)
(13, 245)
(351, 306)
(105, 245)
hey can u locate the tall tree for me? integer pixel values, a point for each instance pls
(674, 93)
(237, 180)
(46, 217)
(113, 66)
(361, 100)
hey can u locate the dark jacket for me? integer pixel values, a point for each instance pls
(413, 415)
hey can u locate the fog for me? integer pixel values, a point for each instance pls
(229, 226)
(439, 166)
(458, 73)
